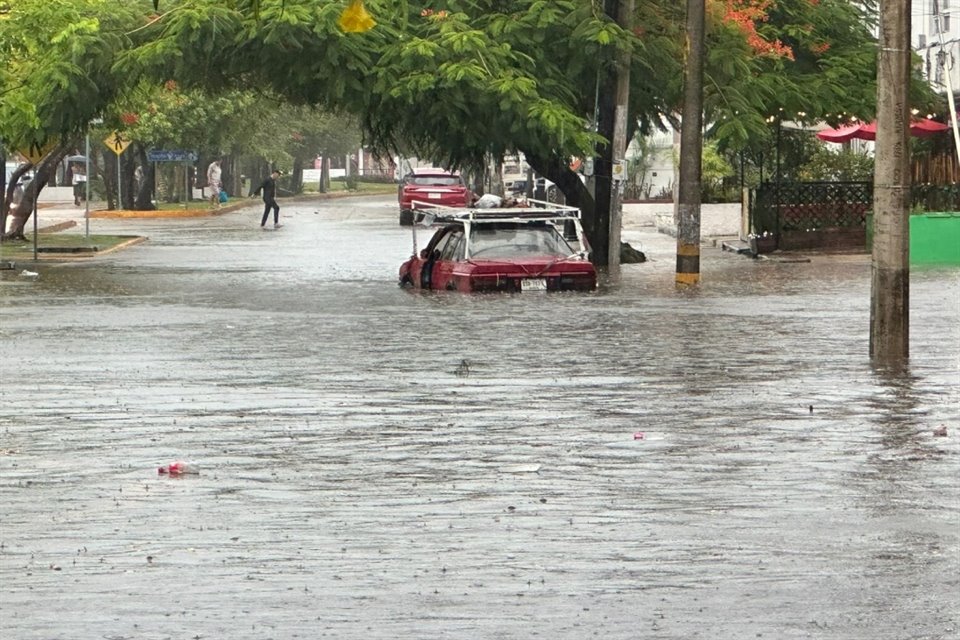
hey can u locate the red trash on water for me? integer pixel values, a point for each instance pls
(177, 468)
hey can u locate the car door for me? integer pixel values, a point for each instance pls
(450, 254)
(431, 255)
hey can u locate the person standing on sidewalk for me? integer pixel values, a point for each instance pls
(269, 189)
(213, 181)
(79, 180)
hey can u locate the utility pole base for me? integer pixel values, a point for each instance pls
(889, 314)
(688, 264)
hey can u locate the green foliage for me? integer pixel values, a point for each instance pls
(842, 165)
(714, 169)
(480, 78)
(58, 71)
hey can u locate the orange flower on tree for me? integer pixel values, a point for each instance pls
(355, 18)
(746, 14)
(430, 14)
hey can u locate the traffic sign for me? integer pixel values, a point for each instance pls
(116, 142)
(170, 155)
(619, 171)
(35, 152)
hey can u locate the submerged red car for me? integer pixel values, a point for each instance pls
(431, 185)
(540, 247)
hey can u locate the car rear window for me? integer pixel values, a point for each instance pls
(434, 181)
(506, 240)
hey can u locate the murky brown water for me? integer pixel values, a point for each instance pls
(358, 481)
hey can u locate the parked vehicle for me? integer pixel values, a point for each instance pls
(517, 187)
(539, 247)
(432, 185)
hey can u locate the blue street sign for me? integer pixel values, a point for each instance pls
(160, 155)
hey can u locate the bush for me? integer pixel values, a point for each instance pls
(843, 166)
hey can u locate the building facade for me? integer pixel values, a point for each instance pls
(936, 38)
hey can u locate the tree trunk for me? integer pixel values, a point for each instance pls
(8, 200)
(3, 188)
(325, 174)
(558, 171)
(110, 180)
(44, 170)
(296, 177)
(144, 193)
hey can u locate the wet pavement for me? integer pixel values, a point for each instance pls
(377, 463)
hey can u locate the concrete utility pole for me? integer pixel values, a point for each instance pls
(691, 150)
(890, 281)
(613, 81)
(625, 20)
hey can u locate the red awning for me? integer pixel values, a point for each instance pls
(924, 128)
(844, 134)
(919, 128)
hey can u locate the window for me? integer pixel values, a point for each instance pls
(433, 181)
(516, 240)
(453, 247)
(441, 244)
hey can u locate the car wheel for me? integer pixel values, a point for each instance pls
(406, 217)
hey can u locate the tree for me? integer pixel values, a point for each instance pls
(483, 78)
(58, 73)
(489, 77)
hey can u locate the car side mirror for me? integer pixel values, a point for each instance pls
(424, 254)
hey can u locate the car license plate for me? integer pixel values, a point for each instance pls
(434, 195)
(534, 284)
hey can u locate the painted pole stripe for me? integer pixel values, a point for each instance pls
(688, 249)
(688, 265)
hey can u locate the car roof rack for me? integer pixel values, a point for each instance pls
(426, 213)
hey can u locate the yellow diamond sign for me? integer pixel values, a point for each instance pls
(35, 152)
(116, 142)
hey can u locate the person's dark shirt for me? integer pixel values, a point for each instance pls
(269, 188)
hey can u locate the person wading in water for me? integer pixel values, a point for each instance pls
(269, 188)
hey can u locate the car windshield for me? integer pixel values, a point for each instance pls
(517, 240)
(434, 181)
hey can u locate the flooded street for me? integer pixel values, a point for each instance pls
(380, 463)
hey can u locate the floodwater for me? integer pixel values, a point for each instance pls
(380, 463)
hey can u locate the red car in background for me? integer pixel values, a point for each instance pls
(540, 247)
(430, 185)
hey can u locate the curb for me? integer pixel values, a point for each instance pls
(189, 213)
(229, 208)
(70, 256)
(60, 226)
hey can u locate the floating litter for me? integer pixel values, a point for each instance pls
(178, 468)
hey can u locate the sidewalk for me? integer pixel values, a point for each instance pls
(56, 214)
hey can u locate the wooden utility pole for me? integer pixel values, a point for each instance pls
(691, 150)
(890, 281)
(625, 20)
